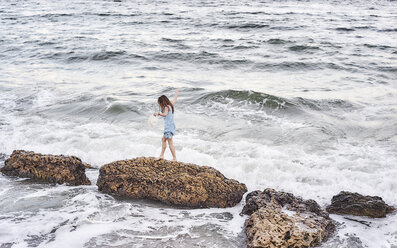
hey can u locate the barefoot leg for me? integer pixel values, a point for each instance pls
(163, 146)
(172, 148)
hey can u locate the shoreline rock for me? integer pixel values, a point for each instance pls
(47, 168)
(279, 219)
(170, 182)
(359, 205)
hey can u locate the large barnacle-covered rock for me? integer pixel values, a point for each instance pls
(47, 168)
(170, 182)
(282, 220)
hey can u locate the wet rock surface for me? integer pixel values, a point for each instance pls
(170, 182)
(359, 205)
(279, 219)
(47, 168)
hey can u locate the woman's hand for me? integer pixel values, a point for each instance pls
(156, 114)
(175, 97)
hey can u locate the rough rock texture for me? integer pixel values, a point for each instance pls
(279, 219)
(87, 166)
(170, 182)
(48, 168)
(356, 204)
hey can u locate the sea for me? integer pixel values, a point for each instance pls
(295, 95)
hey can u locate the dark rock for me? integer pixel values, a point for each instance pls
(279, 219)
(257, 199)
(48, 168)
(170, 182)
(359, 205)
(87, 166)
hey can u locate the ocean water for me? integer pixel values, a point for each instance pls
(300, 96)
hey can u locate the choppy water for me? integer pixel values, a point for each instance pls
(295, 95)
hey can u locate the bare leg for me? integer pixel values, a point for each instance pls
(172, 149)
(164, 145)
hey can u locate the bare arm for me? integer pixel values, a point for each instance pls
(175, 97)
(166, 109)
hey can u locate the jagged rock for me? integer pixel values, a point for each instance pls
(170, 182)
(359, 205)
(87, 166)
(279, 219)
(48, 168)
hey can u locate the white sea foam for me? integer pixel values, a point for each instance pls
(317, 175)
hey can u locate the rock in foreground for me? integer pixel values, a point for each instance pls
(48, 168)
(279, 219)
(170, 182)
(359, 205)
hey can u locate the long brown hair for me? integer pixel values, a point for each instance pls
(163, 102)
